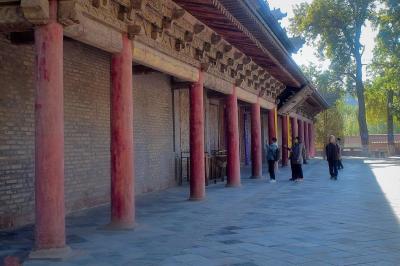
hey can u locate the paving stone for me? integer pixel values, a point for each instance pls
(352, 221)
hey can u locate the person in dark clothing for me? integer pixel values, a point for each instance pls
(296, 157)
(272, 158)
(332, 156)
(338, 143)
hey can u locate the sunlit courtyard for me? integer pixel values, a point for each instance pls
(354, 220)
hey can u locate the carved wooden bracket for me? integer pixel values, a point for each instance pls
(215, 39)
(36, 11)
(261, 71)
(179, 45)
(223, 68)
(199, 53)
(207, 46)
(138, 4)
(227, 48)
(212, 61)
(233, 73)
(177, 13)
(237, 55)
(204, 66)
(198, 28)
(155, 31)
(219, 55)
(188, 36)
(166, 23)
(133, 30)
(262, 92)
(239, 82)
(246, 60)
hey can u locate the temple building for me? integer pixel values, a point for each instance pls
(103, 100)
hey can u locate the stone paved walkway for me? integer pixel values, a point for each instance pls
(354, 220)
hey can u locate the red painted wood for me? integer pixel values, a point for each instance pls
(271, 125)
(306, 138)
(233, 164)
(11, 261)
(197, 170)
(294, 126)
(49, 136)
(256, 148)
(312, 139)
(300, 130)
(122, 168)
(285, 140)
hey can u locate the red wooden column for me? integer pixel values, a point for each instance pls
(256, 145)
(285, 140)
(233, 164)
(122, 168)
(197, 170)
(294, 126)
(271, 124)
(49, 140)
(306, 138)
(312, 139)
(300, 130)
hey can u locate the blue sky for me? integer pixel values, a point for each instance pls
(306, 54)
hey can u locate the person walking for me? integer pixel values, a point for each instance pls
(272, 158)
(339, 144)
(305, 157)
(332, 156)
(297, 153)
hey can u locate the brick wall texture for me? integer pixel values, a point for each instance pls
(87, 130)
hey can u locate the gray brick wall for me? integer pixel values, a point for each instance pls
(153, 132)
(87, 130)
(16, 132)
(87, 125)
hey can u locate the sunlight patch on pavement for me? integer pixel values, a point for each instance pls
(387, 175)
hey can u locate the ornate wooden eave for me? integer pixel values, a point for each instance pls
(164, 36)
(21, 15)
(241, 26)
(306, 100)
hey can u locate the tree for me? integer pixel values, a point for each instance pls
(335, 27)
(327, 83)
(329, 122)
(386, 66)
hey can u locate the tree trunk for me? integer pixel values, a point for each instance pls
(390, 134)
(362, 120)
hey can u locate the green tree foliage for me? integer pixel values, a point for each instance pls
(349, 115)
(335, 27)
(386, 62)
(329, 86)
(383, 94)
(376, 97)
(330, 122)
